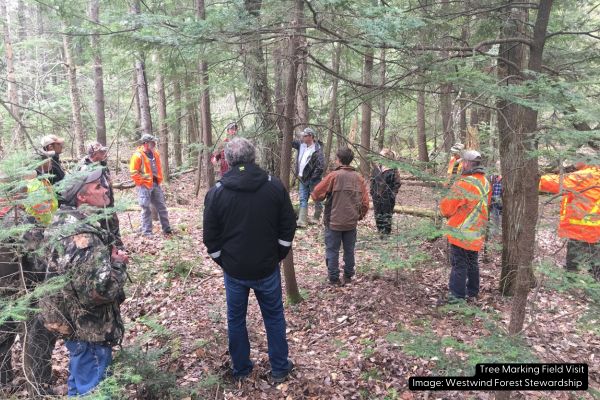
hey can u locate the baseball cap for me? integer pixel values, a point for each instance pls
(308, 131)
(50, 139)
(76, 182)
(232, 125)
(457, 147)
(96, 147)
(146, 137)
(471, 155)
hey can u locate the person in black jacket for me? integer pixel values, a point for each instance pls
(249, 225)
(310, 166)
(385, 183)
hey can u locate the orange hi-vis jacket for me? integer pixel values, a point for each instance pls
(580, 206)
(141, 170)
(466, 207)
(454, 166)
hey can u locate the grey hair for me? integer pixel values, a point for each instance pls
(240, 151)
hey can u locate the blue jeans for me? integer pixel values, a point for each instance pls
(268, 294)
(464, 277)
(305, 190)
(88, 364)
(333, 241)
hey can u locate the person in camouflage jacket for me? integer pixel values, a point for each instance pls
(86, 312)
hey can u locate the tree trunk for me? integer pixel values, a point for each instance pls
(191, 121)
(177, 123)
(144, 99)
(333, 109)
(142, 84)
(136, 101)
(291, 285)
(302, 117)
(365, 127)
(255, 72)
(163, 131)
(74, 92)
(382, 103)
(205, 107)
(98, 76)
(13, 95)
(517, 127)
(446, 111)
(421, 134)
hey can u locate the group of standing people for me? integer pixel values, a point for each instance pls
(76, 241)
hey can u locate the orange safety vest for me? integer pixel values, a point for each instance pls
(454, 166)
(580, 205)
(141, 169)
(466, 207)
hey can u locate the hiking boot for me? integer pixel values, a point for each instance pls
(302, 214)
(347, 279)
(280, 378)
(335, 282)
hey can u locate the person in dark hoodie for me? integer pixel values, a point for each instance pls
(249, 225)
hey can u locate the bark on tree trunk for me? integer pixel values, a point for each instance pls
(302, 117)
(421, 135)
(333, 109)
(446, 111)
(291, 285)
(163, 132)
(205, 108)
(278, 52)
(365, 127)
(13, 95)
(382, 103)
(142, 86)
(98, 76)
(255, 71)
(191, 121)
(74, 92)
(136, 100)
(177, 123)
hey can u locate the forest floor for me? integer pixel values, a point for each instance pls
(359, 341)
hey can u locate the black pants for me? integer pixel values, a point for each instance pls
(585, 255)
(384, 210)
(464, 277)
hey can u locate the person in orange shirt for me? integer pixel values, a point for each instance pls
(579, 214)
(466, 207)
(146, 172)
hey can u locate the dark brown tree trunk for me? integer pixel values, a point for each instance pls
(421, 134)
(13, 94)
(302, 117)
(98, 76)
(278, 52)
(291, 285)
(517, 127)
(366, 109)
(177, 154)
(446, 111)
(205, 108)
(163, 132)
(382, 102)
(333, 109)
(255, 71)
(74, 92)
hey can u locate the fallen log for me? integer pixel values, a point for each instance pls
(123, 185)
(422, 183)
(417, 212)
